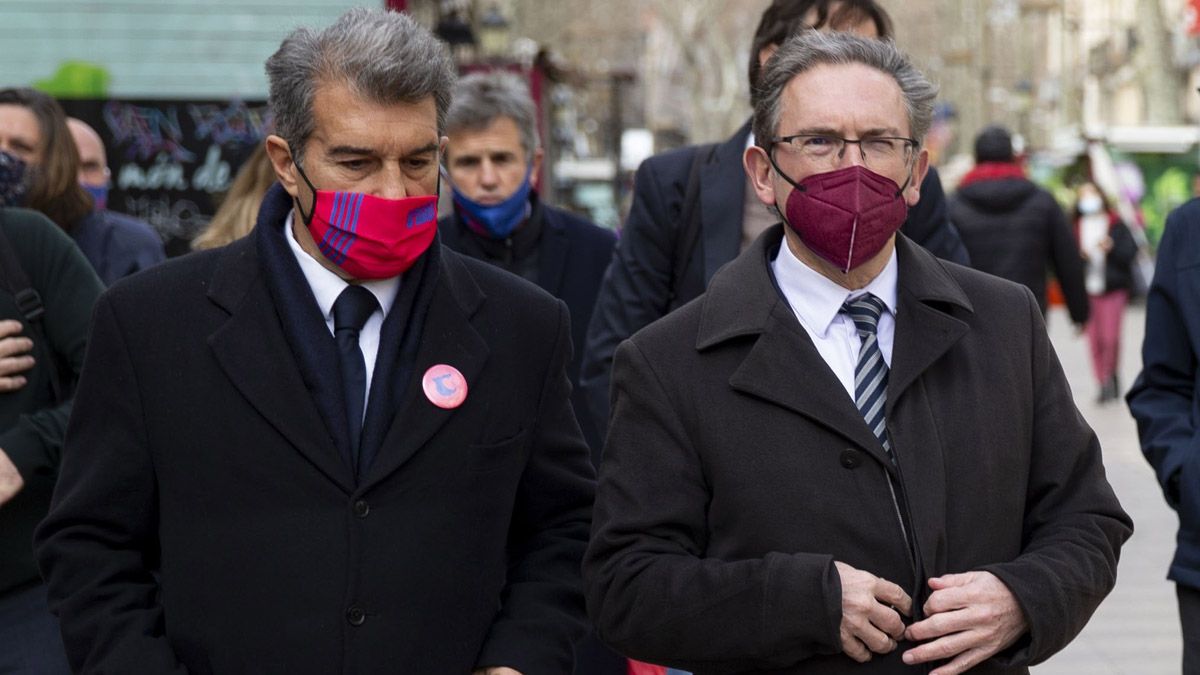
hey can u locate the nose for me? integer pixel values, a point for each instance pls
(854, 157)
(489, 177)
(392, 185)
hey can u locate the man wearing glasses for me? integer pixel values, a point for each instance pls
(847, 456)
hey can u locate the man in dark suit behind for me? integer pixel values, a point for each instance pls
(693, 210)
(494, 164)
(333, 446)
(847, 456)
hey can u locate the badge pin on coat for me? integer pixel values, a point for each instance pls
(444, 386)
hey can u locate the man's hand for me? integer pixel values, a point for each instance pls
(971, 617)
(496, 671)
(871, 609)
(10, 479)
(14, 356)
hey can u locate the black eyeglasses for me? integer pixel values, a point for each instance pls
(880, 152)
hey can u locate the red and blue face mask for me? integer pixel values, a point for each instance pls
(370, 237)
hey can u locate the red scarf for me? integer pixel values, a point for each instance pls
(992, 171)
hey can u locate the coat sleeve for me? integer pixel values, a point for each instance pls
(636, 287)
(98, 546)
(929, 223)
(1073, 524)
(1068, 264)
(69, 289)
(1163, 398)
(541, 612)
(652, 591)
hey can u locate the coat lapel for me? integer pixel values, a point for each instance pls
(783, 366)
(447, 338)
(722, 199)
(254, 354)
(924, 330)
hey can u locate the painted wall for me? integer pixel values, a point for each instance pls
(194, 49)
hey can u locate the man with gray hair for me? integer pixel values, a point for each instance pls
(847, 456)
(494, 163)
(333, 446)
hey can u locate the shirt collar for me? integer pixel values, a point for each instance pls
(327, 286)
(816, 300)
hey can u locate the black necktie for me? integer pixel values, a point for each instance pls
(350, 312)
(871, 373)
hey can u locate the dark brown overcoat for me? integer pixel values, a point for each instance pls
(737, 470)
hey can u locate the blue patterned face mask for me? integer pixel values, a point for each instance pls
(14, 180)
(496, 220)
(99, 194)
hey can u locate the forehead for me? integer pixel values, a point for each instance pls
(341, 117)
(19, 121)
(501, 134)
(90, 148)
(845, 98)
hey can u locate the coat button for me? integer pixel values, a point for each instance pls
(361, 508)
(356, 616)
(851, 458)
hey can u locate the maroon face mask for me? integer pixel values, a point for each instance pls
(845, 216)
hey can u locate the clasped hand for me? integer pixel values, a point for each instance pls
(970, 617)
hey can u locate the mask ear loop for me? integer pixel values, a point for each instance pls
(307, 218)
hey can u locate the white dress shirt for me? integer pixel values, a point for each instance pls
(327, 286)
(817, 303)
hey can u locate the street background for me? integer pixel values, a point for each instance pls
(1136, 629)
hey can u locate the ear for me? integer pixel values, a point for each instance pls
(762, 174)
(281, 160)
(912, 193)
(766, 53)
(537, 167)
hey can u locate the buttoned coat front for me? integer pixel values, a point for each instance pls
(205, 521)
(737, 470)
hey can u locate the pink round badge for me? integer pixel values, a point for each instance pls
(444, 386)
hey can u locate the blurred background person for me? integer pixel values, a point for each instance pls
(494, 165)
(1013, 228)
(94, 174)
(33, 127)
(1108, 249)
(239, 209)
(47, 289)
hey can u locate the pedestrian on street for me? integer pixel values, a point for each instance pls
(1108, 250)
(1015, 229)
(494, 163)
(694, 210)
(799, 463)
(334, 445)
(1165, 401)
(47, 290)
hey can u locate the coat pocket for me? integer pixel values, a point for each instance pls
(485, 457)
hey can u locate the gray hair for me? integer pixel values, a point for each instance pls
(482, 98)
(811, 48)
(383, 56)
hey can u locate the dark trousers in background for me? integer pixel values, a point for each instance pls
(30, 643)
(1189, 621)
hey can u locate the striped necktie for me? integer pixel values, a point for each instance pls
(871, 373)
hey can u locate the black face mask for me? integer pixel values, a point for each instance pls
(14, 180)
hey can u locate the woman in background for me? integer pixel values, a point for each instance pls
(1108, 249)
(239, 209)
